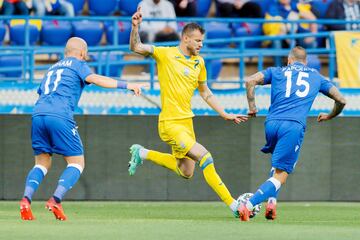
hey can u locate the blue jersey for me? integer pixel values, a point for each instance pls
(61, 88)
(293, 91)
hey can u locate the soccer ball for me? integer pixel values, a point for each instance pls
(243, 199)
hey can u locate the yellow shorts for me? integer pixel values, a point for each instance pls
(179, 134)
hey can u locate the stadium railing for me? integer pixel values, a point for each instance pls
(240, 52)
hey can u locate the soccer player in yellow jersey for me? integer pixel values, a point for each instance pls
(181, 70)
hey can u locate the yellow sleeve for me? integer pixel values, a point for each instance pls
(159, 52)
(202, 75)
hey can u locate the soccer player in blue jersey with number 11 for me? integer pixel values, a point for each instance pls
(293, 90)
(53, 127)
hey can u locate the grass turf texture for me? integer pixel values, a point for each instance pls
(180, 220)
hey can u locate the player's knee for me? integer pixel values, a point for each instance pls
(185, 173)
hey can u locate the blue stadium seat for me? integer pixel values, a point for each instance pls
(217, 30)
(2, 31)
(102, 8)
(17, 34)
(246, 30)
(78, 5)
(123, 32)
(90, 31)
(202, 7)
(115, 70)
(128, 7)
(56, 33)
(11, 61)
(313, 61)
(215, 66)
(320, 6)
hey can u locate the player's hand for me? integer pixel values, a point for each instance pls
(136, 87)
(252, 113)
(136, 18)
(236, 118)
(323, 117)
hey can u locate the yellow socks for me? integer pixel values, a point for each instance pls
(213, 179)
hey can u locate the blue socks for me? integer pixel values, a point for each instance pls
(266, 190)
(33, 180)
(67, 180)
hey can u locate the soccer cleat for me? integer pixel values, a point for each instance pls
(244, 213)
(25, 210)
(56, 208)
(270, 212)
(135, 160)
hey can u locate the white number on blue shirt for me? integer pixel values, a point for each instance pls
(56, 82)
(301, 81)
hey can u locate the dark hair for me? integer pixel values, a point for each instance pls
(298, 53)
(190, 27)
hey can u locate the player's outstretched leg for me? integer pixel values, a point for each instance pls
(206, 164)
(135, 160)
(56, 208)
(25, 210)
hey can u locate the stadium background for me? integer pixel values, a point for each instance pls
(110, 121)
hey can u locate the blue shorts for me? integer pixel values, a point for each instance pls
(50, 134)
(283, 139)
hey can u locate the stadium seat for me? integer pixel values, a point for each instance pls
(124, 29)
(246, 30)
(102, 8)
(202, 7)
(215, 66)
(115, 70)
(56, 32)
(128, 7)
(17, 31)
(78, 5)
(313, 61)
(216, 30)
(11, 61)
(90, 31)
(320, 7)
(2, 31)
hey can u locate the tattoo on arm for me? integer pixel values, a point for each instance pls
(339, 104)
(208, 96)
(251, 82)
(136, 45)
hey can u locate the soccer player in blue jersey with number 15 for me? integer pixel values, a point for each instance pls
(53, 127)
(293, 90)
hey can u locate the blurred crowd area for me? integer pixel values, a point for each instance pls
(158, 31)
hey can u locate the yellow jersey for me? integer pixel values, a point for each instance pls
(179, 76)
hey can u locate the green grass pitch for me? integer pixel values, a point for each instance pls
(181, 220)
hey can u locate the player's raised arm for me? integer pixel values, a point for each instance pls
(210, 99)
(107, 82)
(250, 83)
(339, 105)
(135, 43)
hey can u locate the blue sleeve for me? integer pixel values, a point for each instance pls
(83, 70)
(325, 85)
(267, 75)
